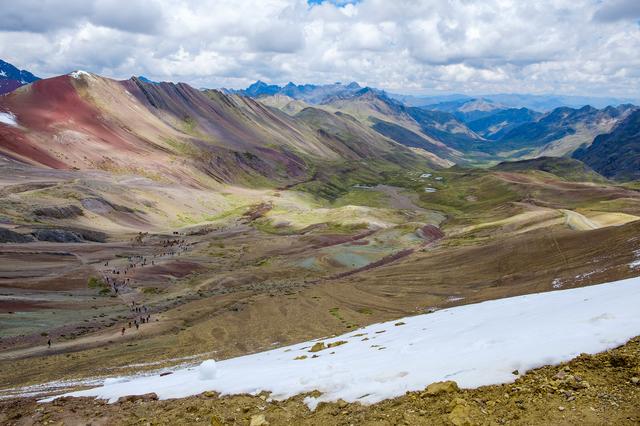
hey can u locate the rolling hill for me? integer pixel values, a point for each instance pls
(433, 132)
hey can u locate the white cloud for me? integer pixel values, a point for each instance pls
(557, 46)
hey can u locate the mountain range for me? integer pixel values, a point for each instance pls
(542, 103)
(465, 131)
(174, 131)
(310, 93)
(278, 132)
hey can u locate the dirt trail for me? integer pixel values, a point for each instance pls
(579, 222)
(96, 339)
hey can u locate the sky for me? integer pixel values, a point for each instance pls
(573, 47)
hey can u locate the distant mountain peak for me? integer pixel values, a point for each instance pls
(11, 77)
(310, 93)
(259, 88)
(146, 80)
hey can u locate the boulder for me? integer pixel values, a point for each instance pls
(258, 420)
(9, 236)
(461, 415)
(317, 347)
(441, 387)
(133, 398)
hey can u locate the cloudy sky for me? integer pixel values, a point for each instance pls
(585, 47)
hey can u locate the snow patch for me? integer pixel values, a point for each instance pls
(8, 118)
(207, 370)
(79, 74)
(430, 189)
(475, 345)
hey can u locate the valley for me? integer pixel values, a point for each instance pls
(150, 226)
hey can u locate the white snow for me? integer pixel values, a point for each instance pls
(8, 119)
(474, 345)
(207, 370)
(79, 74)
(430, 189)
(425, 175)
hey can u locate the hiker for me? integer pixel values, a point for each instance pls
(123, 331)
(137, 325)
(49, 343)
(129, 324)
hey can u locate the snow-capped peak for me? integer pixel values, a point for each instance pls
(79, 74)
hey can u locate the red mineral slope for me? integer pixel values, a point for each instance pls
(173, 132)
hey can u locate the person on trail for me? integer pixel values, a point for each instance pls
(129, 324)
(49, 343)
(137, 325)
(123, 331)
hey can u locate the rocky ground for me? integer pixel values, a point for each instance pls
(602, 389)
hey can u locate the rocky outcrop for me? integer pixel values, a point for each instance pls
(9, 236)
(69, 235)
(59, 212)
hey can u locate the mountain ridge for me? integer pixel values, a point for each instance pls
(11, 77)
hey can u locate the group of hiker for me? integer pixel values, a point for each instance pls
(117, 279)
(142, 316)
(177, 246)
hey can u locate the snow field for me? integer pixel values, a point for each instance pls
(475, 345)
